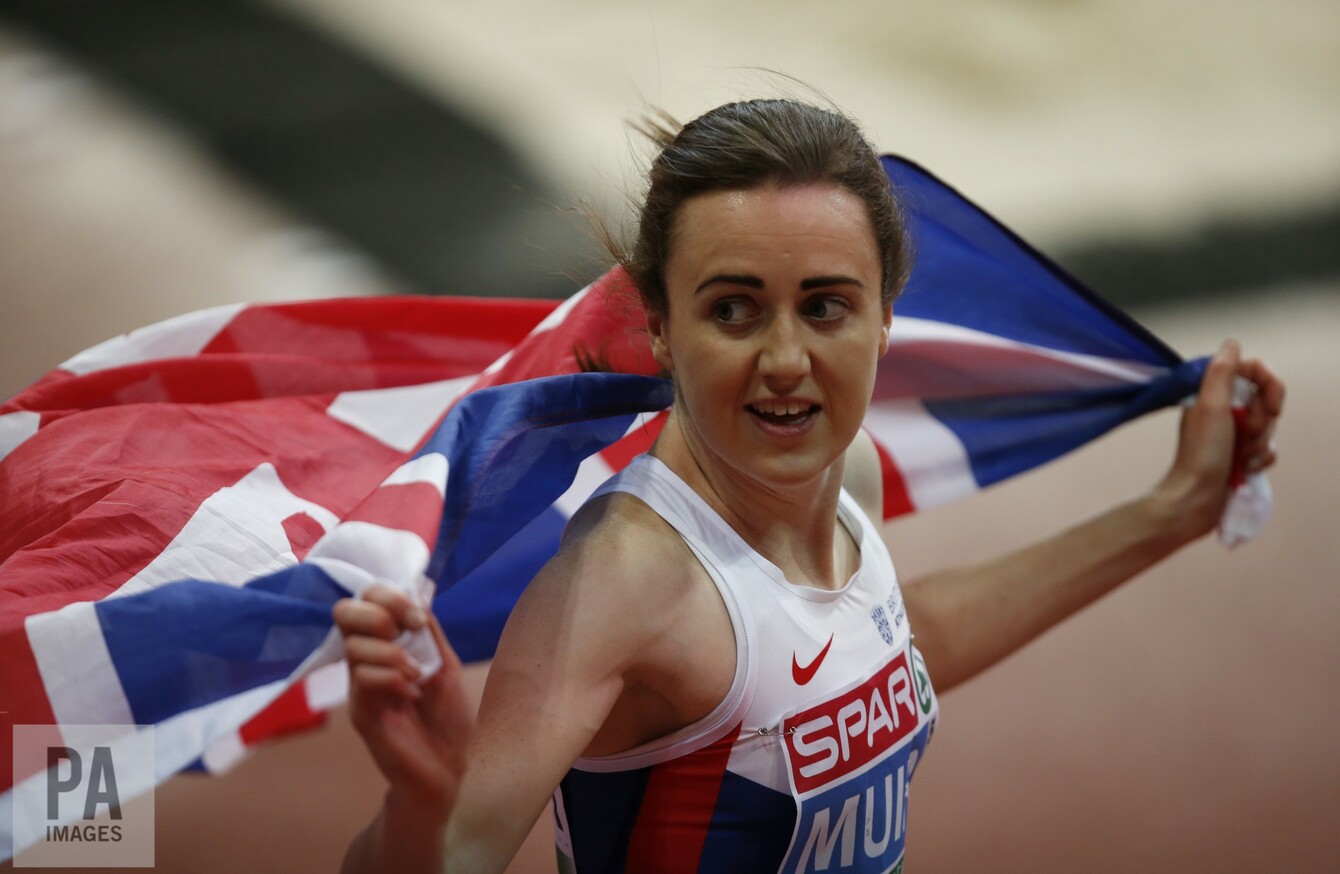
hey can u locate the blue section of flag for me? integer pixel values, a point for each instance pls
(524, 449)
(192, 643)
(475, 609)
(511, 451)
(972, 271)
(1008, 434)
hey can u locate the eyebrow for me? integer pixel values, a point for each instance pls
(731, 279)
(825, 281)
(754, 282)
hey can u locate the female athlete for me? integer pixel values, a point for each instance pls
(716, 672)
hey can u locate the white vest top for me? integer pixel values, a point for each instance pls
(805, 764)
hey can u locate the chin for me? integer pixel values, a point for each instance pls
(788, 470)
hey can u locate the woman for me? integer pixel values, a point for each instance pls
(716, 671)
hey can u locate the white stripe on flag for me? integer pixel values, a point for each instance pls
(236, 535)
(945, 355)
(933, 462)
(389, 555)
(224, 753)
(642, 420)
(79, 677)
(430, 468)
(398, 417)
(179, 337)
(592, 472)
(327, 687)
(498, 364)
(560, 313)
(179, 741)
(17, 427)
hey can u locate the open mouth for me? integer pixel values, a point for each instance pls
(783, 415)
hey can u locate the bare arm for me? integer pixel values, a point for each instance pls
(462, 798)
(969, 618)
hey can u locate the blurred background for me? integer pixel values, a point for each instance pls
(159, 156)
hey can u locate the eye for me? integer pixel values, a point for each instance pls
(730, 311)
(825, 308)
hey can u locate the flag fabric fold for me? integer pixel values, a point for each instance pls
(181, 506)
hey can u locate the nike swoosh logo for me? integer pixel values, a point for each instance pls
(803, 675)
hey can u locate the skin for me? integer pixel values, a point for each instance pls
(774, 299)
(774, 305)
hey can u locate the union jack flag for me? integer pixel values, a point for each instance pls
(181, 506)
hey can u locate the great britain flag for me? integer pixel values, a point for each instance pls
(181, 506)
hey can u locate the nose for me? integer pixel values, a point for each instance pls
(784, 356)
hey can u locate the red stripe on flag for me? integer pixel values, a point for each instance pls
(608, 325)
(897, 501)
(460, 335)
(414, 507)
(78, 532)
(314, 347)
(677, 808)
(303, 532)
(286, 714)
(618, 454)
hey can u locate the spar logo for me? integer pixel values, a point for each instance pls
(844, 734)
(851, 760)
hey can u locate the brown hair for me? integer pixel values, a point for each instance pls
(752, 143)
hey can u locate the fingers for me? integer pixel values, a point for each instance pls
(1257, 420)
(361, 650)
(381, 612)
(377, 679)
(372, 626)
(1256, 437)
(1270, 388)
(1216, 388)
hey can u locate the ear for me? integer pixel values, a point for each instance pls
(884, 331)
(660, 346)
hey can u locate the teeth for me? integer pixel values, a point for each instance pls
(781, 408)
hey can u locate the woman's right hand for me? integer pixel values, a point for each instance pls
(587, 621)
(416, 729)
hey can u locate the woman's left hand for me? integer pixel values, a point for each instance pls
(1215, 444)
(971, 617)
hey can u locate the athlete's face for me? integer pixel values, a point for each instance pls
(774, 328)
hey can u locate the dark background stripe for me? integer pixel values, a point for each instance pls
(446, 207)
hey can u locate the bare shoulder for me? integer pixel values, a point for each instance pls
(621, 569)
(585, 632)
(622, 547)
(668, 628)
(863, 476)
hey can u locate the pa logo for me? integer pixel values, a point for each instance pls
(83, 796)
(98, 789)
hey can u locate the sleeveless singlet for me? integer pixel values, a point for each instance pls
(805, 764)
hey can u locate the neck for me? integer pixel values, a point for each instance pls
(794, 524)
